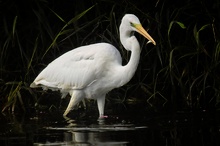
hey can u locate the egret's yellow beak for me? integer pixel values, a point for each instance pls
(143, 32)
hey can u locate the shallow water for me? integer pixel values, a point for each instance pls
(51, 129)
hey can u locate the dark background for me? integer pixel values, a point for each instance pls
(180, 73)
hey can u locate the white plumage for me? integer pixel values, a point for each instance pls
(92, 71)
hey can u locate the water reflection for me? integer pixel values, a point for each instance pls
(93, 138)
(111, 138)
(51, 129)
(96, 133)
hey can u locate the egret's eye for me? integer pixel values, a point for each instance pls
(132, 24)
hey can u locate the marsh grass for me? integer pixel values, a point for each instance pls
(181, 72)
(186, 71)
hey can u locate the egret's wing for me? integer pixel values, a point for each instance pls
(73, 70)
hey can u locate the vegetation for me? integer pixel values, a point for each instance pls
(181, 72)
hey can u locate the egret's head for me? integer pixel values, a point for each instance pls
(132, 23)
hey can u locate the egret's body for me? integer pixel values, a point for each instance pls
(92, 71)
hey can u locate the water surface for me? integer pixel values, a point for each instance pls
(137, 128)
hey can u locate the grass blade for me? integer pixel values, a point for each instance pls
(61, 32)
(14, 26)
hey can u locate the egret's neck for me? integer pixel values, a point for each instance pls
(125, 34)
(130, 43)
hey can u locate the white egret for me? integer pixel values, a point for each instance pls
(92, 71)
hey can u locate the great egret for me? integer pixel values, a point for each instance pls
(93, 70)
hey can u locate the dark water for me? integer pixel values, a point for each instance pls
(152, 129)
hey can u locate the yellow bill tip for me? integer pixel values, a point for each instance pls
(144, 33)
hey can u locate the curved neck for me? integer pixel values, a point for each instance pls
(130, 68)
(130, 43)
(125, 35)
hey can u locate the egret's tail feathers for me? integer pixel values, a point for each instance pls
(33, 85)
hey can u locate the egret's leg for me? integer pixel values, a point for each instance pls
(101, 106)
(76, 97)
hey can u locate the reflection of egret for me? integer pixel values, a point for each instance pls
(93, 70)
